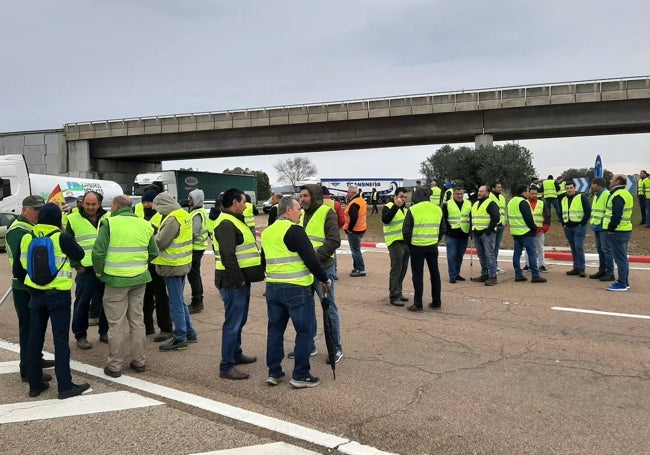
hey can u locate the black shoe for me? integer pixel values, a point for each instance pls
(76, 390)
(33, 393)
(479, 279)
(234, 374)
(607, 278)
(47, 377)
(103, 338)
(582, 273)
(492, 281)
(520, 278)
(460, 278)
(396, 302)
(434, 307)
(192, 338)
(173, 345)
(48, 363)
(137, 368)
(417, 309)
(538, 279)
(526, 269)
(245, 359)
(163, 336)
(148, 332)
(596, 275)
(111, 373)
(193, 309)
(452, 280)
(573, 272)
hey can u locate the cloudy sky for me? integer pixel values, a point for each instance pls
(67, 61)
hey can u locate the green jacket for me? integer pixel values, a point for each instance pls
(13, 240)
(99, 256)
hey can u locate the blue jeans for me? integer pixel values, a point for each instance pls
(552, 202)
(236, 302)
(455, 252)
(498, 236)
(332, 311)
(618, 242)
(526, 242)
(177, 309)
(284, 302)
(485, 252)
(576, 237)
(605, 258)
(87, 288)
(354, 239)
(647, 212)
(55, 306)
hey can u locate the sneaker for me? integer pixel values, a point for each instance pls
(500, 271)
(192, 338)
(607, 278)
(618, 287)
(597, 275)
(82, 343)
(337, 357)
(538, 279)
(137, 368)
(275, 380)
(526, 268)
(163, 336)
(111, 373)
(234, 374)
(76, 390)
(543, 269)
(103, 338)
(519, 278)
(479, 279)
(292, 354)
(173, 345)
(309, 381)
(357, 273)
(33, 393)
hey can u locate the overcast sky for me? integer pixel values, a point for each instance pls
(67, 61)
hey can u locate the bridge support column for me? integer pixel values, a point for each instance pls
(79, 159)
(483, 140)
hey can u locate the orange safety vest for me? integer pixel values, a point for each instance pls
(360, 226)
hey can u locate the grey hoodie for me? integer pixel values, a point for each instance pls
(197, 197)
(165, 204)
(332, 234)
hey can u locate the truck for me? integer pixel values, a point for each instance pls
(338, 187)
(17, 183)
(179, 183)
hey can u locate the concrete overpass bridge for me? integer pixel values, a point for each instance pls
(585, 108)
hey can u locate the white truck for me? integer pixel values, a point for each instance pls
(17, 183)
(338, 188)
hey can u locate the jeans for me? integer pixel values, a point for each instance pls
(87, 286)
(485, 252)
(642, 207)
(194, 278)
(333, 311)
(55, 306)
(576, 237)
(498, 236)
(647, 212)
(284, 302)
(618, 242)
(524, 242)
(354, 239)
(399, 263)
(236, 302)
(552, 202)
(155, 289)
(455, 251)
(419, 254)
(539, 249)
(605, 258)
(177, 309)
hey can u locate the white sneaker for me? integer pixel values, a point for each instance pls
(500, 271)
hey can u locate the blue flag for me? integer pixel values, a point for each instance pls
(598, 167)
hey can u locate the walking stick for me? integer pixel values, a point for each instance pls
(471, 256)
(4, 297)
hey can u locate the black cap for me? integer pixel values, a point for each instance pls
(35, 202)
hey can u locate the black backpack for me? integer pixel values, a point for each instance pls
(41, 259)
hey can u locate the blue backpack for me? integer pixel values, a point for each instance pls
(41, 259)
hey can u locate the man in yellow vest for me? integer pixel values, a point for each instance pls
(523, 230)
(436, 194)
(291, 266)
(641, 194)
(422, 232)
(456, 214)
(497, 196)
(485, 217)
(618, 222)
(576, 211)
(321, 225)
(549, 190)
(199, 245)
(238, 264)
(540, 218)
(20, 227)
(121, 253)
(83, 227)
(174, 240)
(51, 301)
(598, 207)
(355, 228)
(249, 214)
(645, 183)
(392, 217)
(273, 213)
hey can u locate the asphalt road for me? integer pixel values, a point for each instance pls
(497, 371)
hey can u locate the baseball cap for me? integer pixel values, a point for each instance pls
(33, 201)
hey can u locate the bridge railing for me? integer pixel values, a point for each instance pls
(432, 103)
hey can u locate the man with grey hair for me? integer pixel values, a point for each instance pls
(121, 253)
(355, 228)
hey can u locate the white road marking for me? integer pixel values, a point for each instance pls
(82, 405)
(293, 430)
(12, 366)
(601, 313)
(275, 448)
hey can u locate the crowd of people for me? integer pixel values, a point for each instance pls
(130, 261)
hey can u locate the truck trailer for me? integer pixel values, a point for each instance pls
(338, 187)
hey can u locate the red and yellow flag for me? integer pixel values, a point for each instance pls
(56, 196)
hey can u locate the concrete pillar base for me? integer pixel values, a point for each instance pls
(483, 140)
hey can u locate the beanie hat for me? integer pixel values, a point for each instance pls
(326, 192)
(50, 214)
(149, 196)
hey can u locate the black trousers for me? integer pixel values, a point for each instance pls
(194, 277)
(155, 296)
(399, 264)
(420, 254)
(642, 206)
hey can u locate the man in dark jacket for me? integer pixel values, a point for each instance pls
(321, 225)
(238, 264)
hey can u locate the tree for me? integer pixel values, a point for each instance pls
(293, 170)
(585, 172)
(263, 184)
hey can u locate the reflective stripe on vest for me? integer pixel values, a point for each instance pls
(360, 225)
(598, 206)
(393, 230)
(85, 234)
(247, 254)
(128, 246)
(180, 251)
(538, 213)
(549, 189)
(249, 217)
(562, 189)
(282, 265)
(426, 223)
(458, 218)
(515, 217)
(63, 280)
(315, 229)
(17, 224)
(575, 212)
(501, 202)
(480, 215)
(626, 224)
(201, 242)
